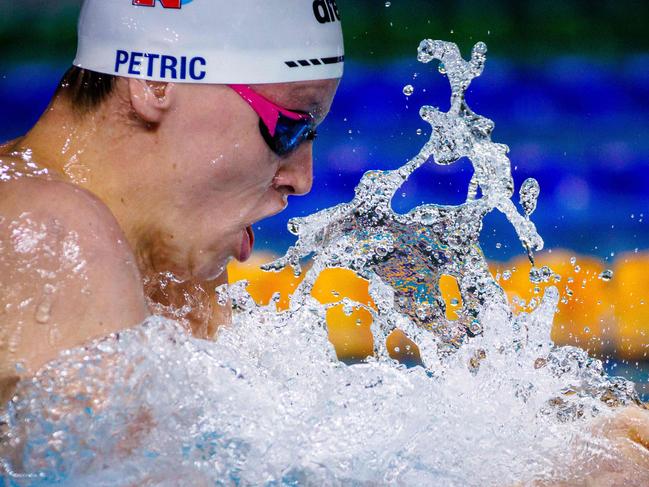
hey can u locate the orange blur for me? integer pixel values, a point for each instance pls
(601, 316)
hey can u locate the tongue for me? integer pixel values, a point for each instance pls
(247, 243)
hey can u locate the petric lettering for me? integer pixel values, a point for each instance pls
(161, 66)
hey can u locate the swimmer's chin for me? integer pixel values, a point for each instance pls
(213, 271)
(203, 271)
(203, 266)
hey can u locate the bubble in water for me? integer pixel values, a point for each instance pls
(408, 90)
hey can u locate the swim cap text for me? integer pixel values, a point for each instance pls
(326, 11)
(160, 66)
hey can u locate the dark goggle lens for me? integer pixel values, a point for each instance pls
(289, 134)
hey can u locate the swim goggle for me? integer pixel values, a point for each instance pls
(283, 130)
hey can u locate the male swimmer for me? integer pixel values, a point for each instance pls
(180, 125)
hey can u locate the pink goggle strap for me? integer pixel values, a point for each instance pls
(266, 109)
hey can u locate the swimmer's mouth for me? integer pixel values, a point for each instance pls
(247, 244)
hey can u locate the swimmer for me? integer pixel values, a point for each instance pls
(179, 126)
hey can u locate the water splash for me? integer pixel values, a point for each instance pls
(411, 252)
(270, 404)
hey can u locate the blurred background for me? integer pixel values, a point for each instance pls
(567, 84)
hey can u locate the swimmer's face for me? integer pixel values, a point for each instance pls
(222, 177)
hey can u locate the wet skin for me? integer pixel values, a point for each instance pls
(133, 208)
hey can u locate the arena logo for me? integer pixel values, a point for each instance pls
(326, 11)
(177, 4)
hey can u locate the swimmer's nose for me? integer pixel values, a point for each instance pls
(295, 175)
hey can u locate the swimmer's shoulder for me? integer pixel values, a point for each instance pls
(67, 273)
(5, 147)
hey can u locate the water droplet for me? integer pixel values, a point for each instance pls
(387, 4)
(507, 275)
(607, 275)
(44, 307)
(408, 90)
(348, 307)
(540, 275)
(529, 195)
(43, 311)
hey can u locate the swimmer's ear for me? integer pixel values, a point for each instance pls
(150, 99)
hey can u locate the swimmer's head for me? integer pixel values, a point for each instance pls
(212, 41)
(206, 160)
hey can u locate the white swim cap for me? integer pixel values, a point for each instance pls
(212, 41)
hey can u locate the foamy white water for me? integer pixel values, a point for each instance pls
(268, 403)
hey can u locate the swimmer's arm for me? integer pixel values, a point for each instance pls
(67, 274)
(627, 431)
